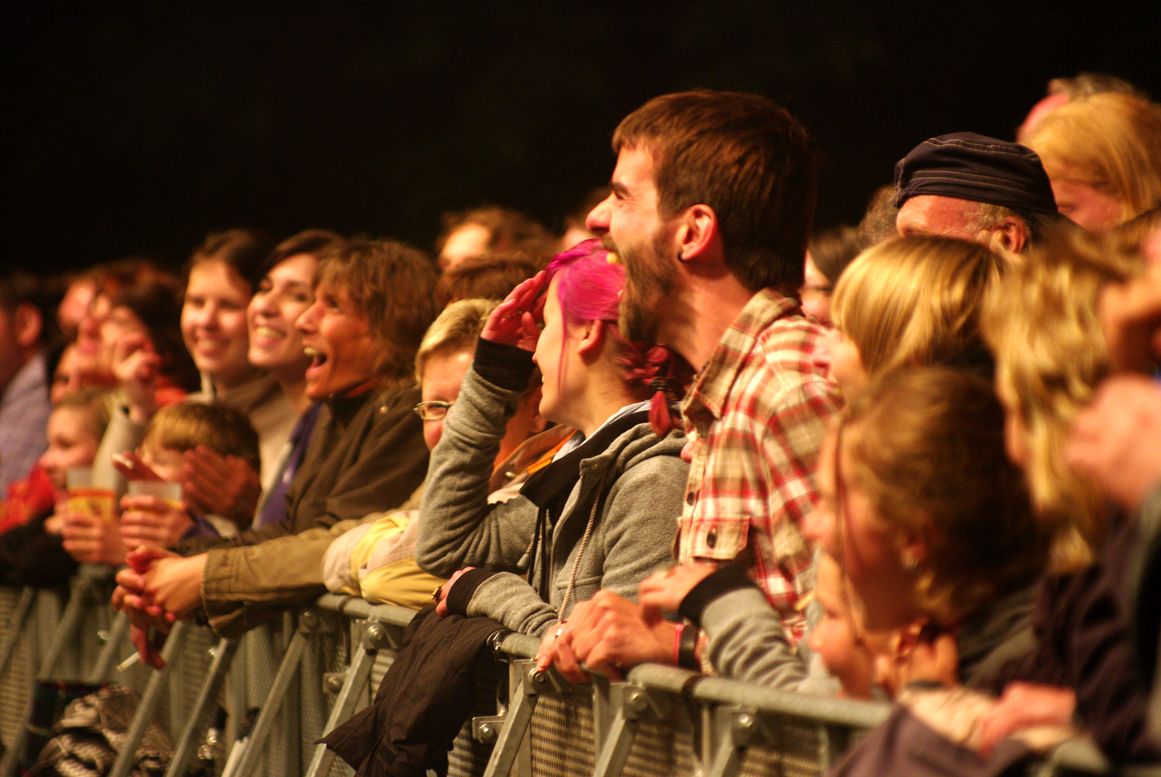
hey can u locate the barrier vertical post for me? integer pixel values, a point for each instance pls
(223, 657)
(149, 700)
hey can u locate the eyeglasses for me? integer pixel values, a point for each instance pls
(435, 410)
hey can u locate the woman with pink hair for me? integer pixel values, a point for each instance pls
(602, 513)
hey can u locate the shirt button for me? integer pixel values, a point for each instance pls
(690, 497)
(711, 537)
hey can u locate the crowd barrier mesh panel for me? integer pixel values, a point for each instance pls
(17, 678)
(662, 747)
(561, 739)
(793, 752)
(562, 735)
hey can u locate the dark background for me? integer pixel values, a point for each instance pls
(139, 129)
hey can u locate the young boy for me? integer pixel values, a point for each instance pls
(174, 430)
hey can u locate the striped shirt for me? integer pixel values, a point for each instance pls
(24, 410)
(757, 415)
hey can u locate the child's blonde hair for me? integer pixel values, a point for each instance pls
(97, 405)
(185, 425)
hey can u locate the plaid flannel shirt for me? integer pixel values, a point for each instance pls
(757, 415)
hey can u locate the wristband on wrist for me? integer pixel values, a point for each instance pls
(687, 647)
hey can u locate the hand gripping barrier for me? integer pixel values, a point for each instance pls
(318, 665)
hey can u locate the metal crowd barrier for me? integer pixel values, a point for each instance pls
(317, 666)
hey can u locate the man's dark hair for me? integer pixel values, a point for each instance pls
(509, 230)
(18, 288)
(745, 157)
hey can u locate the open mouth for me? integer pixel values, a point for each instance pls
(317, 357)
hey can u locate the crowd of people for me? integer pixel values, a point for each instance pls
(915, 459)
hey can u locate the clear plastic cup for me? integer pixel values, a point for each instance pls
(83, 497)
(170, 493)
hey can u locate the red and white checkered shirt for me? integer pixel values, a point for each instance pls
(757, 415)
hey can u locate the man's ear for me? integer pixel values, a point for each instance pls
(1012, 234)
(697, 233)
(28, 325)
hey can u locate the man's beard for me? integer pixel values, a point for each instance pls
(648, 283)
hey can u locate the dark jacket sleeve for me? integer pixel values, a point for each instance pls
(377, 465)
(1084, 643)
(31, 556)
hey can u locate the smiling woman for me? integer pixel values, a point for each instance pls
(222, 273)
(285, 292)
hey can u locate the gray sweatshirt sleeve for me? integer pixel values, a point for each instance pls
(457, 526)
(747, 641)
(634, 539)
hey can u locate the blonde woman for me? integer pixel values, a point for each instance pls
(909, 301)
(1042, 323)
(1103, 158)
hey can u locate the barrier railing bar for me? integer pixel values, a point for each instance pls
(197, 724)
(147, 707)
(843, 712)
(252, 745)
(364, 610)
(309, 622)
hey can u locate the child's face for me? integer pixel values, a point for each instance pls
(836, 637)
(166, 462)
(71, 443)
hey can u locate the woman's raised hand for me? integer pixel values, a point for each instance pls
(516, 320)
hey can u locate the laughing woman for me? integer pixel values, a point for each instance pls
(372, 303)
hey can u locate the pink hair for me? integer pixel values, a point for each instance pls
(588, 288)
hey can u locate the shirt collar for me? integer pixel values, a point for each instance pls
(713, 384)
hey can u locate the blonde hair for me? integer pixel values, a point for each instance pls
(926, 446)
(96, 405)
(1110, 141)
(185, 425)
(1041, 323)
(455, 329)
(915, 300)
